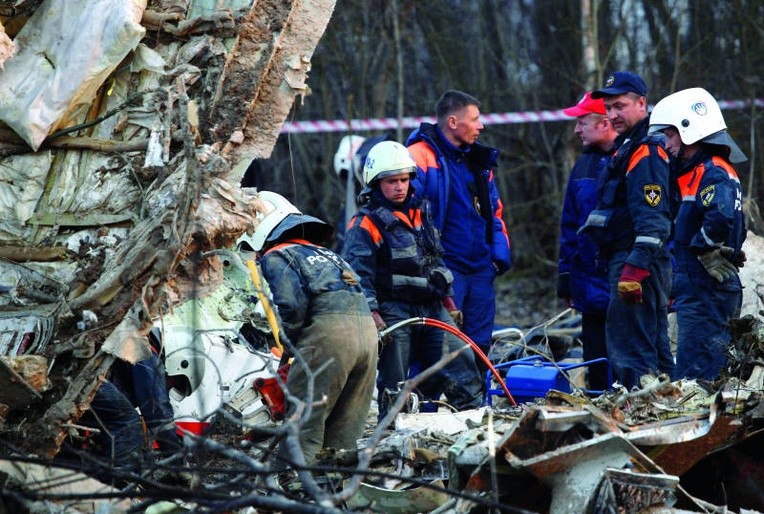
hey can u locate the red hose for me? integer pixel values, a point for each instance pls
(461, 335)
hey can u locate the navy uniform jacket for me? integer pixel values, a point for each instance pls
(397, 253)
(633, 213)
(301, 276)
(583, 274)
(710, 214)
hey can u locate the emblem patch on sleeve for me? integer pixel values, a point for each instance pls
(707, 195)
(652, 194)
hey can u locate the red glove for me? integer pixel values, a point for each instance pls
(630, 283)
(378, 321)
(453, 310)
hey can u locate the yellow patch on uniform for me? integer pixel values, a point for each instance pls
(707, 195)
(653, 194)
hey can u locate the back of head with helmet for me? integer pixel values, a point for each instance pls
(347, 158)
(696, 116)
(386, 159)
(282, 220)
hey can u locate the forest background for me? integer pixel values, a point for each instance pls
(393, 58)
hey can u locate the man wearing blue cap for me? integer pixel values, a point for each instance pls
(631, 225)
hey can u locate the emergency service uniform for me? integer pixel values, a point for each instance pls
(632, 225)
(582, 273)
(325, 316)
(113, 410)
(468, 213)
(396, 252)
(710, 215)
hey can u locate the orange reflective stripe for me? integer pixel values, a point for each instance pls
(423, 155)
(642, 152)
(416, 216)
(726, 166)
(289, 243)
(498, 215)
(404, 218)
(372, 229)
(689, 182)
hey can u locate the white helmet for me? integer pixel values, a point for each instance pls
(347, 158)
(386, 159)
(696, 115)
(280, 216)
(276, 209)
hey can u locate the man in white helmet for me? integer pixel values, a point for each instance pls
(709, 228)
(348, 166)
(326, 318)
(394, 247)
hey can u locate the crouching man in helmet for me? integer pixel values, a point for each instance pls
(709, 229)
(326, 318)
(394, 247)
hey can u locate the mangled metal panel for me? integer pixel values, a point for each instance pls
(58, 43)
(127, 195)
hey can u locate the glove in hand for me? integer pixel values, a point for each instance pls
(630, 283)
(717, 265)
(453, 311)
(729, 254)
(378, 321)
(381, 325)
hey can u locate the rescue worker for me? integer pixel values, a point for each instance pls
(120, 438)
(582, 276)
(709, 229)
(326, 318)
(348, 166)
(455, 173)
(631, 225)
(396, 251)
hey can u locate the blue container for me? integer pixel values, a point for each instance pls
(532, 377)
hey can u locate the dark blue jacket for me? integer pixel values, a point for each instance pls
(465, 201)
(302, 278)
(582, 273)
(711, 211)
(633, 212)
(396, 252)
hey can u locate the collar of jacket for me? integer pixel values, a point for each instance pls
(484, 156)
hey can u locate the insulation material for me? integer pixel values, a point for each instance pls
(22, 184)
(73, 46)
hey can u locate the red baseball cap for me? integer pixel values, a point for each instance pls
(587, 105)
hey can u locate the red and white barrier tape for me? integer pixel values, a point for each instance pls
(296, 127)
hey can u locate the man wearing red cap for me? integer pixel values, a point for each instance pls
(582, 276)
(631, 225)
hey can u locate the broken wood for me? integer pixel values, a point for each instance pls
(33, 253)
(268, 64)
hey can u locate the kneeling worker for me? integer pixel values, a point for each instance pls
(327, 320)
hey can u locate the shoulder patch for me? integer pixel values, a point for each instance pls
(653, 194)
(707, 195)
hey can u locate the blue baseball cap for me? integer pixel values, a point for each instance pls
(622, 82)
